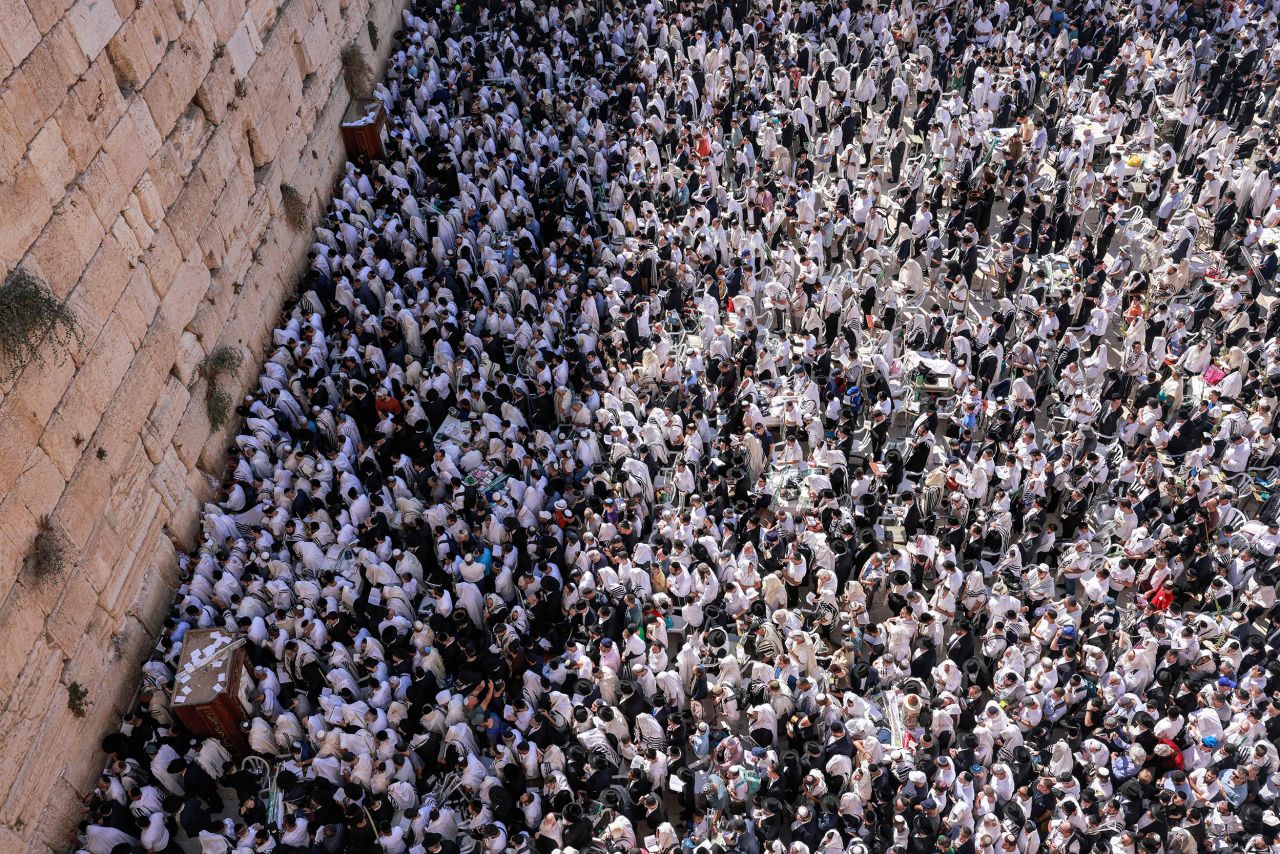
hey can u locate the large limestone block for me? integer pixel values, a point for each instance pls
(96, 381)
(128, 149)
(192, 210)
(94, 23)
(31, 727)
(99, 289)
(18, 32)
(171, 165)
(80, 510)
(72, 616)
(162, 260)
(102, 183)
(39, 485)
(165, 104)
(54, 67)
(243, 47)
(132, 228)
(145, 127)
(19, 432)
(12, 149)
(186, 368)
(217, 93)
(162, 420)
(27, 209)
(89, 115)
(264, 14)
(138, 48)
(50, 158)
(46, 12)
(37, 676)
(225, 15)
(137, 306)
(149, 200)
(36, 392)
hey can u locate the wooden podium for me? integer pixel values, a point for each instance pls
(362, 127)
(213, 689)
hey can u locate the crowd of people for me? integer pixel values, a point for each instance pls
(759, 426)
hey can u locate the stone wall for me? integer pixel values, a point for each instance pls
(143, 147)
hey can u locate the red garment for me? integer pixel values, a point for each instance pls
(1172, 762)
(1160, 599)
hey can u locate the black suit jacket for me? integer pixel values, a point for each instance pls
(961, 648)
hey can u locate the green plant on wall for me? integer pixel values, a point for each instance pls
(356, 71)
(47, 555)
(35, 326)
(78, 699)
(220, 362)
(295, 207)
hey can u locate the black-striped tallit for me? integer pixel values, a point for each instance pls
(928, 501)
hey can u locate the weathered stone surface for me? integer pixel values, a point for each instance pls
(18, 33)
(49, 157)
(94, 23)
(142, 145)
(28, 208)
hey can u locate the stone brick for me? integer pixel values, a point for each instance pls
(163, 260)
(69, 242)
(21, 627)
(127, 151)
(217, 91)
(36, 393)
(190, 354)
(104, 280)
(80, 506)
(243, 47)
(189, 214)
(67, 624)
(210, 319)
(18, 32)
(48, 155)
(193, 430)
(19, 432)
(142, 42)
(137, 306)
(178, 154)
(50, 74)
(11, 148)
(96, 381)
(59, 440)
(133, 224)
(138, 47)
(27, 209)
(176, 14)
(25, 102)
(145, 127)
(224, 15)
(122, 423)
(94, 23)
(39, 485)
(47, 12)
(163, 101)
(93, 109)
(309, 49)
(26, 723)
(163, 419)
(106, 192)
(149, 200)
